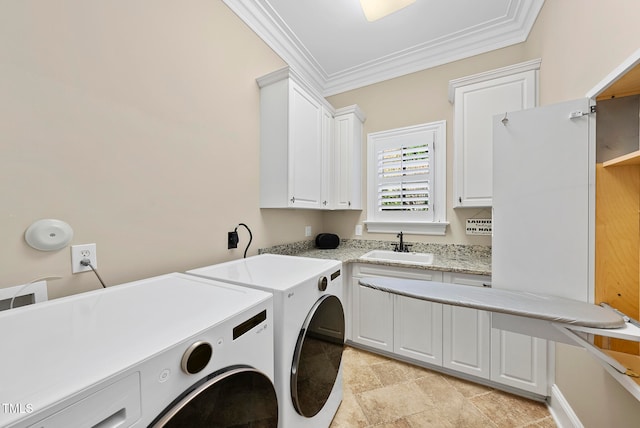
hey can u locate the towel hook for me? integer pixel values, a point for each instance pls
(505, 119)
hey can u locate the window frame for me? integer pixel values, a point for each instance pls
(375, 222)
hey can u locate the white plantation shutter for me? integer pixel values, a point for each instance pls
(406, 179)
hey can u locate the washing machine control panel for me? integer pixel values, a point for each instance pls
(323, 282)
(196, 357)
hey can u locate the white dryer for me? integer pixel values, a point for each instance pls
(309, 330)
(169, 351)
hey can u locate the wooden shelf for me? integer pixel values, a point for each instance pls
(628, 159)
(632, 362)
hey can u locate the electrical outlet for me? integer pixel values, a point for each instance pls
(232, 240)
(358, 229)
(80, 252)
(307, 231)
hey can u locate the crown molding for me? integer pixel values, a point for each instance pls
(269, 26)
(534, 64)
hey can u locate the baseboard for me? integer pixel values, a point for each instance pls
(561, 411)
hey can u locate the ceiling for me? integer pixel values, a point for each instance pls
(332, 45)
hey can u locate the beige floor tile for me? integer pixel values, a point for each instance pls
(365, 358)
(400, 423)
(467, 388)
(384, 393)
(349, 413)
(507, 410)
(387, 404)
(360, 378)
(450, 407)
(547, 422)
(428, 419)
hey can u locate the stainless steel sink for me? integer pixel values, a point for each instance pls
(397, 257)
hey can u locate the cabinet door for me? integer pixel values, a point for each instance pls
(305, 149)
(466, 336)
(346, 173)
(543, 201)
(519, 361)
(328, 154)
(372, 321)
(418, 329)
(475, 106)
(466, 332)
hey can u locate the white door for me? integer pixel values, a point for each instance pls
(372, 317)
(305, 149)
(466, 337)
(327, 157)
(518, 360)
(542, 200)
(475, 105)
(418, 329)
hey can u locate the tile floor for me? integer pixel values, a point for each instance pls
(384, 393)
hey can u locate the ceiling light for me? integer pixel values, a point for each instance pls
(376, 9)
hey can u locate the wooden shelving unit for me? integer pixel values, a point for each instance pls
(617, 238)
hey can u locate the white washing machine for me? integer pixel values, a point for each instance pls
(309, 330)
(169, 351)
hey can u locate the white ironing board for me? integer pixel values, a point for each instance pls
(531, 305)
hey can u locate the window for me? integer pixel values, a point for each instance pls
(406, 176)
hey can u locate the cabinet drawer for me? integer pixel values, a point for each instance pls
(467, 279)
(365, 269)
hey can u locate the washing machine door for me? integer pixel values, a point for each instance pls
(239, 397)
(316, 360)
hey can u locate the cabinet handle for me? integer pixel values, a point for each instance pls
(293, 200)
(486, 285)
(460, 199)
(324, 203)
(349, 203)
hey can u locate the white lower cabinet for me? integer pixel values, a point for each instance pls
(466, 340)
(372, 323)
(454, 337)
(519, 361)
(393, 323)
(417, 329)
(467, 332)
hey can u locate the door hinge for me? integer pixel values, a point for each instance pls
(580, 113)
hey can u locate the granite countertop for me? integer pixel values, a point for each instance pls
(472, 259)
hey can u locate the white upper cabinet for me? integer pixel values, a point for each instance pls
(308, 159)
(291, 143)
(346, 171)
(476, 100)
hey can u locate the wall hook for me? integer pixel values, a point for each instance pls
(505, 119)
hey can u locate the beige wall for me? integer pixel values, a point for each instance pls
(137, 123)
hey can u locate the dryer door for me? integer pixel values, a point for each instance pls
(237, 397)
(316, 360)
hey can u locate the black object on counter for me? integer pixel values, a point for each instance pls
(327, 241)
